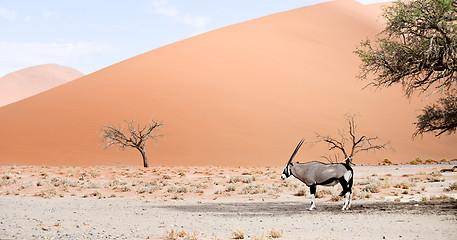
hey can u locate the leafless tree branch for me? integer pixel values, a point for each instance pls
(135, 136)
(357, 144)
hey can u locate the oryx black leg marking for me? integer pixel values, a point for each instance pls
(312, 189)
(344, 184)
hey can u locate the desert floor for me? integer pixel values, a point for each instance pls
(390, 202)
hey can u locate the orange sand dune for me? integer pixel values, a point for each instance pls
(240, 95)
(30, 81)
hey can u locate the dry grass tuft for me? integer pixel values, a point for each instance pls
(452, 186)
(47, 193)
(301, 192)
(243, 179)
(238, 234)
(275, 233)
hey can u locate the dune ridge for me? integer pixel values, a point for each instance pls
(33, 80)
(242, 95)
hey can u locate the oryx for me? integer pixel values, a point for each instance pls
(317, 173)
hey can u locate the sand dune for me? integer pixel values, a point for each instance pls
(30, 81)
(240, 95)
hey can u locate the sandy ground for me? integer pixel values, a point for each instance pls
(390, 202)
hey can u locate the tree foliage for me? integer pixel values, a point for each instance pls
(135, 136)
(418, 50)
(349, 143)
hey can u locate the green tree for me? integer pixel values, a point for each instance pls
(135, 136)
(418, 50)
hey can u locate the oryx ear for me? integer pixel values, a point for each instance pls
(296, 150)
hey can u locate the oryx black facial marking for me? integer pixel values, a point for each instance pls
(317, 173)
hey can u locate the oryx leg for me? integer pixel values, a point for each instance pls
(312, 189)
(350, 182)
(346, 183)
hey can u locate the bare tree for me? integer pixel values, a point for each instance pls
(135, 136)
(349, 143)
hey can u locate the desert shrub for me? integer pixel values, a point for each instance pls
(94, 173)
(363, 195)
(124, 188)
(47, 193)
(238, 234)
(175, 189)
(275, 233)
(7, 179)
(322, 192)
(96, 194)
(253, 189)
(335, 196)
(416, 161)
(95, 184)
(290, 183)
(440, 197)
(386, 183)
(402, 185)
(429, 161)
(244, 179)
(57, 182)
(435, 179)
(273, 190)
(170, 234)
(230, 187)
(373, 187)
(301, 192)
(452, 186)
(387, 162)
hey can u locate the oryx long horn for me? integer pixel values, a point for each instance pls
(296, 150)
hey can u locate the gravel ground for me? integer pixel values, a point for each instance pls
(79, 218)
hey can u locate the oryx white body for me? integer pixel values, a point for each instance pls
(317, 173)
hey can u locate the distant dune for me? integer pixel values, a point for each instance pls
(30, 81)
(242, 95)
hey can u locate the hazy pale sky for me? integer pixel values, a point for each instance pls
(89, 35)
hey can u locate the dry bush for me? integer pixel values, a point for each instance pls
(402, 185)
(243, 179)
(230, 187)
(252, 189)
(386, 183)
(123, 188)
(259, 188)
(7, 179)
(357, 194)
(262, 237)
(435, 179)
(177, 197)
(47, 193)
(175, 189)
(387, 162)
(96, 194)
(170, 234)
(57, 182)
(452, 186)
(301, 192)
(373, 187)
(440, 197)
(416, 161)
(275, 233)
(292, 184)
(238, 234)
(335, 196)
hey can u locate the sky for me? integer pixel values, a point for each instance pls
(89, 35)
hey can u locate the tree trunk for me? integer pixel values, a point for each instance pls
(145, 158)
